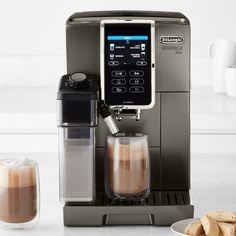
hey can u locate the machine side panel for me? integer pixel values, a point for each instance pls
(175, 141)
(172, 59)
(83, 48)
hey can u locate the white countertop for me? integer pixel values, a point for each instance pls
(213, 187)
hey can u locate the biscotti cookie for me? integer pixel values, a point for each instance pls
(226, 229)
(222, 216)
(195, 228)
(234, 224)
(210, 226)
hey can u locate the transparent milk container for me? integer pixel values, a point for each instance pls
(77, 120)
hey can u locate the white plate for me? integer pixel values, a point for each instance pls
(179, 227)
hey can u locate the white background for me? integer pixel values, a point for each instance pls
(32, 38)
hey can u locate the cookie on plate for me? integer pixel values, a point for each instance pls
(195, 228)
(226, 229)
(210, 226)
(222, 216)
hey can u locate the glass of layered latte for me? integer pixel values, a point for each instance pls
(127, 166)
(19, 193)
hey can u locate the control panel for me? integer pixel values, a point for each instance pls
(127, 64)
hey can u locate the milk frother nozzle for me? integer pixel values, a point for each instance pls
(105, 113)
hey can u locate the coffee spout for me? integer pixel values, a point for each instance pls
(105, 113)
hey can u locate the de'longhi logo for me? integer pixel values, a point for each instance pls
(172, 39)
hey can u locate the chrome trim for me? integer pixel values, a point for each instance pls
(102, 59)
(77, 125)
(95, 20)
(111, 125)
(78, 199)
(135, 115)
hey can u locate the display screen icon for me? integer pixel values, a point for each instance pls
(143, 46)
(143, 55)
(112, 46)
(112, 56)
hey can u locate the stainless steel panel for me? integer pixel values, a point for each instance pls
(155, 169)
(175, 141)
(83, 48)
(172, 60)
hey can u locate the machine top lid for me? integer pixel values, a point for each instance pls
(127, 13)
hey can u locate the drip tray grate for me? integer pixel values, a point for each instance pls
(155, 198)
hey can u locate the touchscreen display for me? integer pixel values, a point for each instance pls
(127, 71)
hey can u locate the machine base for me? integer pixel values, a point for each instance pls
(160, 209)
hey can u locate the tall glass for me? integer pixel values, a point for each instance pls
(127, 166)
(19, 193)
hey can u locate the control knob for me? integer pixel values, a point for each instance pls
(78, 80)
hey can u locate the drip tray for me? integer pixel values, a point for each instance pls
(161, 208)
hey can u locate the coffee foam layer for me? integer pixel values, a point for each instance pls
(17, 173)
(18, 162)
(134, 151)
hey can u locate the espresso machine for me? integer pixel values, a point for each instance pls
(127, 71)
